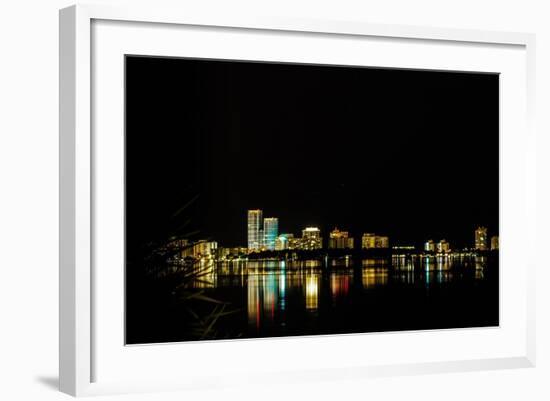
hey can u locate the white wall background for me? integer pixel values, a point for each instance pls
(29, 196)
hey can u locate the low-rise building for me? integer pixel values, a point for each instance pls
(443, 246)
(340, 240)
(429, 246)
(201, 249)
(371, 240)
(311, 239)
(494, 243)
(282, 242)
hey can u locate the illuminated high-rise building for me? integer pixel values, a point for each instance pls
(494, 242)
(481, 239)
(270, 233)
(255, 220)
(443, 246)
(261, 244)
(311, 238)
(429, 246)
(340, 240)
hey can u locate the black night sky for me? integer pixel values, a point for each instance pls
(410, 154)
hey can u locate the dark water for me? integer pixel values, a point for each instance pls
(278, 298)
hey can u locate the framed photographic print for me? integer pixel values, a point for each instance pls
(336, 198)
(280, 199)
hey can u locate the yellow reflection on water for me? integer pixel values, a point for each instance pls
(312, 263)
(403, 262)
(253, 301)
(312, 291)
(406, 276)
(444, 276)
(372, 277)
(341, 262)
(269, 290)
(438, 262)
(205, 275)
(374, 262)
(479, 274)
(480, 265)
(481, 262)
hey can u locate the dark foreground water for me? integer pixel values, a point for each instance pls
(278, 298)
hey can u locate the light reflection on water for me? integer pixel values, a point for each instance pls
(373, 277)
(340, 285)
(312, 291)
(272, 286)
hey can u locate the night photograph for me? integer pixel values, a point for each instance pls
(280, 199)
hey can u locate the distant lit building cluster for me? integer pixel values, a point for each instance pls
(371, 241)
(310, 240)
(200, 249)
(442, 246)
(481, 243)
(263, 235)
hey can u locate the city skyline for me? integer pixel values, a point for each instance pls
(418, 241)
(258, 236)
(410, 154)
(269, 239)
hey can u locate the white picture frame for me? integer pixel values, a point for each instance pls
(79, 345)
